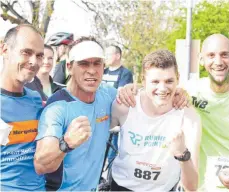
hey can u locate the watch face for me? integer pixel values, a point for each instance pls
(63, 146)
(187, 155)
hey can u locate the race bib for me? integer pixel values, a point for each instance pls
(148, 170)
(214, 165)
(145, 171)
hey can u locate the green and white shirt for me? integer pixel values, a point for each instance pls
(214, 152)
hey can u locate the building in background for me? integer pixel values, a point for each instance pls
(181, 58)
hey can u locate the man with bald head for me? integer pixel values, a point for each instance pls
(215, 57)
(210, 96)
(22, 52)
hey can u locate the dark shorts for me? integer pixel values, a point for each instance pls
(116, 187)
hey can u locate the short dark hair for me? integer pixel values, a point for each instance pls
(48, 47)
(117, 49)
(11, 35)
(160, 59)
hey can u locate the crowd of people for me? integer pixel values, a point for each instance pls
(60, 122)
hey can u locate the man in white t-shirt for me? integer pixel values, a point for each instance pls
(158, 145)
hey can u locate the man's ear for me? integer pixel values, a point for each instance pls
(69, 67)
(5, 50)
(118, 56)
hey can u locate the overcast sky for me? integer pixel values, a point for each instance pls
(67, 17)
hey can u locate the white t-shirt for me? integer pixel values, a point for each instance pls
(144, 161)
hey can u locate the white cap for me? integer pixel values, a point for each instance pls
(86, 50)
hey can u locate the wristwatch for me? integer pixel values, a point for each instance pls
(184, 157)
(64, 146)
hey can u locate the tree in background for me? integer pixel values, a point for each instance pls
(146, 30)
(138, 27)
(107, 16)
(39, 16)
(109, 20)
(208, 18)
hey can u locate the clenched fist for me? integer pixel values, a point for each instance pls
(177, 144)
(78, 132)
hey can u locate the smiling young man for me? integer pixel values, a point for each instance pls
(158, 145)
(22, 51)
(74, 129)
(211, 99)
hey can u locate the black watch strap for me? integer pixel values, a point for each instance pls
(64, 146)
(184, 157)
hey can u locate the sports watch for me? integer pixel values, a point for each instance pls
(184, 157)
(64, 146)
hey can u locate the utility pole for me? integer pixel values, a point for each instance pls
(188, 38)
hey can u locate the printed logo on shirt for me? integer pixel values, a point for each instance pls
(155, 141)
(101, 119)
(146, 164)
(23, 132)
(110, 83)
(18, 155)
(135, 138)
(110, 79)
(148, 141)
(107, 77)
(201, 104)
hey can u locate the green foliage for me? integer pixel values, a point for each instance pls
(13, 11)
(144, 30)
(208, 18)
(203, 72)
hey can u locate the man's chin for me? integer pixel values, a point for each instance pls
(91, 89)
(161, 103)
(26, 80)
(219, 81)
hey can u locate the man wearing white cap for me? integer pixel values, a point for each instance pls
(75, 128)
